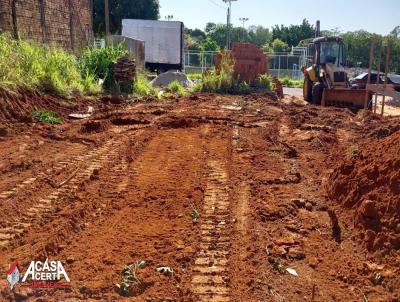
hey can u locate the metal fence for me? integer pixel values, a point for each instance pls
(199, 61)
(289, 64)
(280, 64)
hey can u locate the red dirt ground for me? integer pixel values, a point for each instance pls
(276, 186)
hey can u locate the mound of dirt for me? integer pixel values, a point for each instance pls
(18, 106)
(168, 77)
(368, 183)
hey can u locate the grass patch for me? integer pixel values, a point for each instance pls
(141, 86)
(196, 76)
(176, 88)
(47, 117)
(41, 68)
(289, 82)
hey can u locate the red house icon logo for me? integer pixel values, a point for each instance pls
(13, 274)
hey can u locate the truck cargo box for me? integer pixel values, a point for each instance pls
(163, 42)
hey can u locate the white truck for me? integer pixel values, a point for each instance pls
(164, 42)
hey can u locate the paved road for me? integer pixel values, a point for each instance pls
(293, 91)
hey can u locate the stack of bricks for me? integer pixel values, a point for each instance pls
(125, 70)
(61, 23)
(250, 62)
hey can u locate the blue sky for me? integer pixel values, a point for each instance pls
(348, 15)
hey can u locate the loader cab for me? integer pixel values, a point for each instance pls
(329, 50)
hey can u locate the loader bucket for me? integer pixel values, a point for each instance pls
(346, 98)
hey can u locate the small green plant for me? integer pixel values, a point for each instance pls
(176, 88)
(129, 277)
(47, 117)
(354, 151)
(141, 86)
(265, 82)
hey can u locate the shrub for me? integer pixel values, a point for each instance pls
(141, 86)
(176, 87)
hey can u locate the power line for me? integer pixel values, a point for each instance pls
(216, 4)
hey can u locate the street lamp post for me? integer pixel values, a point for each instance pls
(244, 20)
(229, 29)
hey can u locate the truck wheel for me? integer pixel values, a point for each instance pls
(307, 89)
(317, 93)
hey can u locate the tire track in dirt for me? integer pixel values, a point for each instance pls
(97, 158)
(211, 276)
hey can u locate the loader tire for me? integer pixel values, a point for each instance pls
(317, 93)
(307, 89)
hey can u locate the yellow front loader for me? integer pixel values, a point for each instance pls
(326, 82)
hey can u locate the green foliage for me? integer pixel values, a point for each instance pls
(223, 81)
(357, 46)
(176, 87)
(123, 9)
(289, 82)
(197, 76)
(98, 62)
(280, 46)
(293, 34)
(141, 86)
(265, 82)
(47, 117)
(209, 45)
(267, 47)
(36, 67)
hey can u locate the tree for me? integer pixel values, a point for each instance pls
(293, 34)
(123, 9)
(259, 35)
(280, 46)
(396, 32)
(209, 45)
(267, 47)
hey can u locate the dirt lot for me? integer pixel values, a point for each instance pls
(228, 191)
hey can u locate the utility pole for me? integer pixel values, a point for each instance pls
(107, 18)
(244, 20)
(229, 29)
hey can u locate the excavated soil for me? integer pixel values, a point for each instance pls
(235, 194)
(368, 184)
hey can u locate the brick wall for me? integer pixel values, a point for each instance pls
(63, 23)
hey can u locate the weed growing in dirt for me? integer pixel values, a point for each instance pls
(141, 86)
(223, 81)
(129, 277)
(176, 88)
(47, 117)
(354, 151)
(41, 68)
